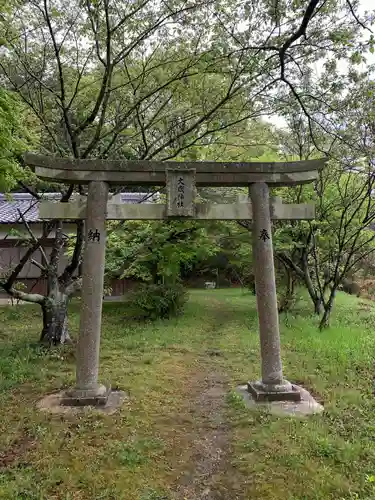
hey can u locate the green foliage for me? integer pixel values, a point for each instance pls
(130, 456)
(343, 204)
(137, 453)
(231, 258)
(155, 495)
(155, 251)
(236, 401)
(157, 301)
(15, 138)
(169, 250)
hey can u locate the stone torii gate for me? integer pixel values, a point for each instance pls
(181, 179)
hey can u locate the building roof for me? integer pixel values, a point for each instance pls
(29, 206)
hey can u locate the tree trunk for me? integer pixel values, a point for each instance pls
(55, 319)
(324, 322)
(303, 273)
(55, 304)
(318, 308)
(287, 301)
(328, 306)
(314, 294)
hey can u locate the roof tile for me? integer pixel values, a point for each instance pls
(29, 206)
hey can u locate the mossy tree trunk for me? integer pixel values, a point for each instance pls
(55, 319)
(60, 288)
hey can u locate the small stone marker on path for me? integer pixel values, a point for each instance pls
(181, 178)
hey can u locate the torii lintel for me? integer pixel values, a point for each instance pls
(149, 172)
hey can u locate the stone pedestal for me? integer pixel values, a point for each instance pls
(272, 386)
(60, 403)
(304, 407)
(87, 390)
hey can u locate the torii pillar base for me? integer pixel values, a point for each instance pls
(284, 392)
(304, 407)
(79, 397)
(66, 402)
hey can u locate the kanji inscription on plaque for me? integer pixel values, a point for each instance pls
(180, 192)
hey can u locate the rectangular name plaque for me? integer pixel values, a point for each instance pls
(180, 192)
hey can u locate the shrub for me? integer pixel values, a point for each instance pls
(351, 287)
(157, 301)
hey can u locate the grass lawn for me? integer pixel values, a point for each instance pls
(183, 433)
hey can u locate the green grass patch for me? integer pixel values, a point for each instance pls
(140, 452)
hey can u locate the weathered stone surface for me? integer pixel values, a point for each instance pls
(92, 293)
(236, 211)
(158, 178)
(180, 192)
(265, 286)
(154, 172)
(160, 166)
(54, 403)
(265, 392)
(92, 397)
(304, 407)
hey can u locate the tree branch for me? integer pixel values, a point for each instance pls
(356, 17)
(26, 297)
(57, 49)
(77, 253)
(38, 265)
(73, 287)
(33, 237)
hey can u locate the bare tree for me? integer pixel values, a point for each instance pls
(322, 254)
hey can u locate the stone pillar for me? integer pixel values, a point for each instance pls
(87, 390)
(272, 385)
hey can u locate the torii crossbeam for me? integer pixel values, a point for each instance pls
(181, 179)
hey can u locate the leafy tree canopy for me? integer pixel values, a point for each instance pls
(15, 138)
